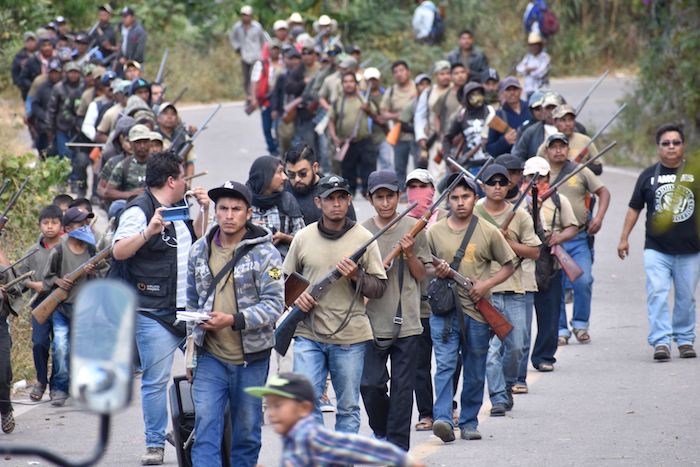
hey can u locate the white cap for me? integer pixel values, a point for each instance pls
(295, 18)
(280, 24)
(422, 175)
(536, 164)
(372, 72)
(324, 20)
(534, 38)
(247, 10)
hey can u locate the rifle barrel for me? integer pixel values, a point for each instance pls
(15, 197)
(5, 184)
(19, 260)
(590, 92)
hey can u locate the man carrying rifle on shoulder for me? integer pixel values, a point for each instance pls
(578, 189)
(480, 245)
(334, 335)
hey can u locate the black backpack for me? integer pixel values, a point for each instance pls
(437, 31)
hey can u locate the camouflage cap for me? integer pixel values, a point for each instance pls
(139, 133)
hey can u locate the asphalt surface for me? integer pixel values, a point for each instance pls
(607, 403)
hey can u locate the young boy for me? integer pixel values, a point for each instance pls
(77, 247)
(51, 230)
(290, 406)
(63, 201)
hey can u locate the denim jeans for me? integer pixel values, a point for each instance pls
(217, 384)
(156, 346)
(547, 303)
(662, 270)
(41, 347)
(345, 364)
(529, 306)
(583, 286)
(61, 346)
(474, 366)
(402, 151)
(267, 124)
(503, 360)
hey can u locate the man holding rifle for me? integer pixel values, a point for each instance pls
(395, 317)
(578, 189)
(484, 247)
(334, 335)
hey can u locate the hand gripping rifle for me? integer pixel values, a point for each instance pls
(343, 150)
(285, 331)
(523, 195)
(187, 147)
(586, 148)
(493, 317)
(58, 295)
(11, 204)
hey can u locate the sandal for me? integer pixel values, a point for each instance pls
(425, 424)
(582, 336)
(519, 389)
(562, 340)
(8, 422)
(37, 392)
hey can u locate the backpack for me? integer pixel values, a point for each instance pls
(549, 23)
(437, 31)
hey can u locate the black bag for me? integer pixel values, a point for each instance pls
(545, 265)
(442, 293)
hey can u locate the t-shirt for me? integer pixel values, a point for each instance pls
(108, 167)
(135, 174)
(378, 131)
(70, 261)
(109, 119)
(396, 99)
(225, 343)
(344, 112)
(680, 236)
(486, 246)
(576, 189)
(332, 88)
(521, 230)
(313, 256)
(381, 311)
(445, 108)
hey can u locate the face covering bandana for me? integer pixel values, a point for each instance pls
(421, 195)
(475, 99)
(84, 234)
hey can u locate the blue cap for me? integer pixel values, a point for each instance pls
(84, 234)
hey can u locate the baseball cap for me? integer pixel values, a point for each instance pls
(82, 38)
(166, 105)
(471, 184)
(155, 136)
(382, 179)
(441, 65)
(421, 77)
(557, 137)
(275, 43)
(51, 25)
(133, 63)
(372, 72)
(247, 10)
(324, 20)
(348, 62)
(536, 164)
(295, 18)
(535, 100)
(563, 110)
(231, 189)
(106, 7)
(280, 24)
(422, 175)
(493, 170)
(509, 161)
(55, 65)
(333, 50)
(83, 233)
(120, 85)
(509, 81)
(139, 133)
(75, 215)
(293, 53)
(552, 98)
(330, 184)
(127, 10)
(29, 35)
(72, 66)
(60, 20)
(492, 74)
(288, 385)
(107, 77)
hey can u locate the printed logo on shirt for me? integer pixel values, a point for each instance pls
(470, 254)
(680, 202)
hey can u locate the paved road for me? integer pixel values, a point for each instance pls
(606, 404)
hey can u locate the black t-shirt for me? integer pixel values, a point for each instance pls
(682, 237)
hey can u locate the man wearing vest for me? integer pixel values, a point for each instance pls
(263, 78)
(154, 256)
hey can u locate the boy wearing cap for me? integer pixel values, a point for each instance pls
(465, 326)
(233, 346)
(504, 356)
(335, 333)
(395, 317)
(76, 247)
(578, 190)
(289, 399)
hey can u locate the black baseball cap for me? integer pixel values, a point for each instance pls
(382, 179)
(289, 385)
(330, 184)
(82, 38)
(510, 161)
(493, 170)
(465, 179)
(75, 215)
(231, 189)
(557, 137)
(127, 11)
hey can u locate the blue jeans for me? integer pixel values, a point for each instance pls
(473, 361)
(217, 384)
(345, 364)
(529, 306)
(504, 357)
(41, 346)
(61, 347)
(267, 125)
(156, 346)
(402, 151)
(385, 156)
(583, 286)
(662, 270)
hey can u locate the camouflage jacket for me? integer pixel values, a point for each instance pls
(259, 289)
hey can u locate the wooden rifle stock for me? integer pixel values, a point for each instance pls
(294, 285)
(44, 310)
(572, 270)
(17, 280)
(290, 110)
(500, 325)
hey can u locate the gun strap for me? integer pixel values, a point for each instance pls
(398, 317)
(240, 253)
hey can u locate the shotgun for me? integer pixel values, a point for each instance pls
(187, 147)
(294, 285)
(523, 195)
(290, 110)
(572, 270)
(44, 310)
(4, 186)
(340, 155)
(590, 92)
(19, 260)
(587, 147)
(11, 204)
(180, 96)
(161, 69)
(17, 280)
(286, 329)
(493, 317)
(488, 162)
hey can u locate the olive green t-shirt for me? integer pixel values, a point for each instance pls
(576, 189)
(332, 88)
(396, 99)
(381, 311)
(344, 112)
(225, 344)
(445, 107)
(485, 247)
(313, 256)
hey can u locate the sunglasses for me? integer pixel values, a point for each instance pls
(499, 182)
(675, 142)
(306, 52)
(301, 174)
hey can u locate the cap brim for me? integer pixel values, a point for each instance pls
(388, 186)
(330, 191)
(222, 192)
(261, 391)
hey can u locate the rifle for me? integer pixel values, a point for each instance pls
(294, 285)
(585, 149)
(511, 214)
(4, 186)
(44, 310)
(493, 317)
(550, 191)
(572, 270)
(200, 174)
(290, 110)
(286, 329)
(161, 69)
(340, 155)
(19, 260)
(421, 223)
(187, 147)
(590, 92)
(17, 280)
(179, 96)
(488, 162)
(11, 204)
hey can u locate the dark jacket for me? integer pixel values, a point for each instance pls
(529, 142)
(62, 114)
(478, 63)
(136, 43)
(18, 63)
(104, 33)
(497, 143)
(40, 106)
(32, 69)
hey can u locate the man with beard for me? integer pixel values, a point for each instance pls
(514, 111)
(273, 207)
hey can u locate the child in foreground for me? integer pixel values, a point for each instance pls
(290, 405)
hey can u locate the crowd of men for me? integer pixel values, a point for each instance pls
(332, 128)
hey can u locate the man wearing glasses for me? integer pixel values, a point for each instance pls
(672, 244)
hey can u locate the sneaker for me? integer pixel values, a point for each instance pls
(562, 340)
(470, 434)
(444, 431)
(8, 422)
(38, 391)
(662, 353)
(59, 398)
(498, 410)
(686, 351)
(153, 456)
(326, 405)
(545, 367)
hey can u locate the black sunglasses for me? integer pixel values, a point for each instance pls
(499, 181)
(675, 142)
(301, 174)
